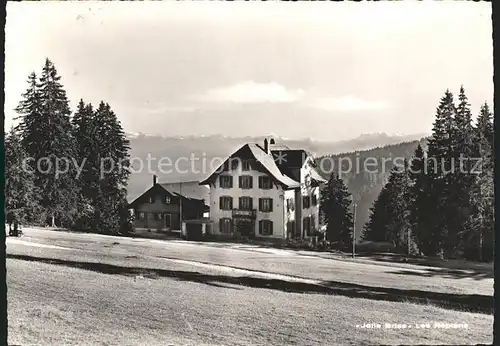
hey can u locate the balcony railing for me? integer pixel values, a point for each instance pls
(248, 213)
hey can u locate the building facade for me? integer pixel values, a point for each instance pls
(162, 207)
(268, 191)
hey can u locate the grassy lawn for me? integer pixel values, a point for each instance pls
(76, 289)
(357, 271)
(54, 305)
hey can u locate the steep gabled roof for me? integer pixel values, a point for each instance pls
(188, 196)
(189, 189)
(147, 192)
(266, 160)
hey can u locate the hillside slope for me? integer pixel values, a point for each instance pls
(366, 172)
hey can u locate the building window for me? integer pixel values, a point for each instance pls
(245, 165)
(306, 202)
(167, 199)
(314, 200)
(290, 205)
(265, 227)
(266, 205)
(265, 183)
(226, 225)
(151, 199)
(246, 182)
(226, 203)
(158, 216)
(306, 225)
(246, 203)
(141, 216)
(226, 181)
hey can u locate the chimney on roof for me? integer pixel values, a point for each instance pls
(154, 179)
(266, 146)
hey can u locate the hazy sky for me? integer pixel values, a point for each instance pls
(321, 70)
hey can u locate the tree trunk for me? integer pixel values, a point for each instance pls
(53, 221)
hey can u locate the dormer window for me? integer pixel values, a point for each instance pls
(245, 165)
(167, 199)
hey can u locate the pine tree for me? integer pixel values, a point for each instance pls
(31, 119)
(439, 164)
(419, 207)
(112, 157)
(19, 186)
(45, 130)
(84, 133)
(482, 236)
(376, 227)
(335, 207)
(398, 226)
(462, 181)
(389, 220)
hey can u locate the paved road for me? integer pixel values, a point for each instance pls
(258, 259)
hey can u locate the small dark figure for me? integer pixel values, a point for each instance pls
(16, 232)
(10, 220)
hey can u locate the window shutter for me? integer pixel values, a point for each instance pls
(260, 182)
(270, 227)
(250, 178)
(221, 200)
(221, 225)
(250, 201)
(260, 204)
(270, 204)
(260, 227)
(240, 202)
(240, 180)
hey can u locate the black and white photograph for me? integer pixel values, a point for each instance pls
(249, 173)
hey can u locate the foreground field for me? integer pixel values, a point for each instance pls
(84, 289)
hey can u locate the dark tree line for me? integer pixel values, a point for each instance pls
(64, 169)
(441, 203)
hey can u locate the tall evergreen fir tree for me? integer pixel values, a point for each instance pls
(84, 133)
(30, 117)
(439, 164)
(398, 226)
(419, 207)
(375, 229)
(389, 219)
(482, 236)
(112, 154)
(335, 208)
(461, 180)
(45, 130)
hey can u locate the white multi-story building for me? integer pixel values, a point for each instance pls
(268, 191)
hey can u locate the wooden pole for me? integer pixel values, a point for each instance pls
(180, 207)
(354, 231)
